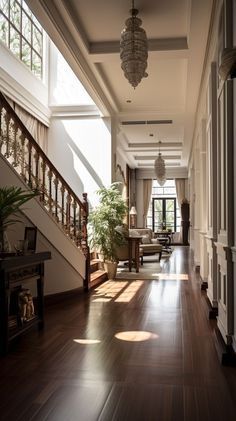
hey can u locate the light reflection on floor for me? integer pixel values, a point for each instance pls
(117, 291)
(87, 341)
(174, 276)
(136, 336)
(129, 292)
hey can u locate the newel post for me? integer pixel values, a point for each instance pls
(84, 241)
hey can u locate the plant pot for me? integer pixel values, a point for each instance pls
(110, 268)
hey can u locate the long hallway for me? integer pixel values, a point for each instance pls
(130, 350)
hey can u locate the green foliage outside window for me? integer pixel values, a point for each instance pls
(22, 34)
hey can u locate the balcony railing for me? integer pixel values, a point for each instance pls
(19, 148)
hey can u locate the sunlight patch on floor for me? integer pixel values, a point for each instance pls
(129, 292)
(136, 336)
(108, 290)
(87, 341)
(120, 292)
(174, 276)
(102, 300)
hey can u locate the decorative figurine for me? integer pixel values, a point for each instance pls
(26, 305)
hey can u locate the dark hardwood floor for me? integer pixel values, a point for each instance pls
(137, 350)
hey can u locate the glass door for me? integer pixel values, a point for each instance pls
(164, 214)
(157, 212)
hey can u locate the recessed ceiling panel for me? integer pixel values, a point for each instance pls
(104, 20)
(163, 89)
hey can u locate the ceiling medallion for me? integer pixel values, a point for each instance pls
(134, 49)
(160, 169)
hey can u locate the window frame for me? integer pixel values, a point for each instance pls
(22, 39)
(163, 199)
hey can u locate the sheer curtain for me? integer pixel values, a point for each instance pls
(37, 129)
(147, 192)
(180, 193)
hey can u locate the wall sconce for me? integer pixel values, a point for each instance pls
(133, 217)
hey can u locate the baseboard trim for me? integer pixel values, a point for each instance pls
(57, 298)
(211, 311)
(226, 353)
(204, 285)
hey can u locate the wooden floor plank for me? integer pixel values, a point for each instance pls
(129, 350)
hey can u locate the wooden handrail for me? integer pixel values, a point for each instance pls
(7, 106)
(21, 150)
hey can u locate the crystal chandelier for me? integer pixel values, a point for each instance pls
(160, 169)
(134, 49)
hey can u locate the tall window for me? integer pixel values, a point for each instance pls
(22, 34)
(163, 212)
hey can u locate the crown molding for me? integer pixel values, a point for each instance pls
(75, 111)
(24, 98)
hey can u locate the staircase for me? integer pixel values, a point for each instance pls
(97, 274)
(58, 212)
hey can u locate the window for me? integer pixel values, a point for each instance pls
(163, 212)
(22, 34)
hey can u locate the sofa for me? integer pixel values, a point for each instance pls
(149, 244)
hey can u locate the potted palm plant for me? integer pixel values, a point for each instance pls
(11, 199)
(103, 221)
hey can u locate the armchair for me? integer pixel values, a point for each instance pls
(149, 244)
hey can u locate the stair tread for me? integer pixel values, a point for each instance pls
(97, 274)
(93, 261)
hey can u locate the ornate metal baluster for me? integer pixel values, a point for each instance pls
(56, 182)
(14, 144)
(36, 175)
(22, 156)
(50, 190)
(79, 228)
(29, 146)
(7, 120)
(74, 219)
(43, 167)
(68, 204)
(62, 204)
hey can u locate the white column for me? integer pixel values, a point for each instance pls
(203, 206)
(211, 147)
(197, 210)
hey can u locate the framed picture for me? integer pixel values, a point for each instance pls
(31, 237)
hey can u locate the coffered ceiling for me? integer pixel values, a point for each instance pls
(162, 107)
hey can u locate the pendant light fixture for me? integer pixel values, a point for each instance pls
(160, 169)
(134, 49)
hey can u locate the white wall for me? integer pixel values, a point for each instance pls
(66, 270)
(213, 215)
(65, 88)
(19, 83)
(79, 140)
(81, 151)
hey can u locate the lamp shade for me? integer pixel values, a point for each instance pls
(133, 211)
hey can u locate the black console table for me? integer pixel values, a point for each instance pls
(15, 273)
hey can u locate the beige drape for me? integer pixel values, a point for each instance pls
(180, 193)
(180, 190)
(37, 129)
(147, 192)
